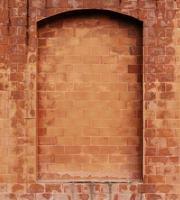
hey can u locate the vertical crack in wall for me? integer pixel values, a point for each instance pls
(156, 4)
(9, 17)
(27, 23)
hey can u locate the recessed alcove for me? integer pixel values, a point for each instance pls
(89, 97)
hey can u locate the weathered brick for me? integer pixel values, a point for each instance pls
(89, 116)
(36, 188)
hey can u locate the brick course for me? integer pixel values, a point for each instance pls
(19, 63)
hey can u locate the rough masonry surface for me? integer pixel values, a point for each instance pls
(29, 162)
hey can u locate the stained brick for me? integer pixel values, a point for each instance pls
(36, 188)
(108, 92)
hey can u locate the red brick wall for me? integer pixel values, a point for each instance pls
(90, 98)
(19, 70)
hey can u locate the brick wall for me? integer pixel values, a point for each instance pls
(23, 104)
(90, 98)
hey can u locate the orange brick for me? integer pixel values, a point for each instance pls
(63, 159)
(156, 179)
(73, 149)
(81, 159)
(117, 159)
(47, 140)
(36, 188)
(91, 149)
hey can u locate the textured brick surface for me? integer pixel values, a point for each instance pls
(19, 71)
(90, 98)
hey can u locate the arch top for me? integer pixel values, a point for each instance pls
(88, 11)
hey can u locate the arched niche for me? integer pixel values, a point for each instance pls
(89, 96)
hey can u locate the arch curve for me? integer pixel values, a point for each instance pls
(88, 11)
